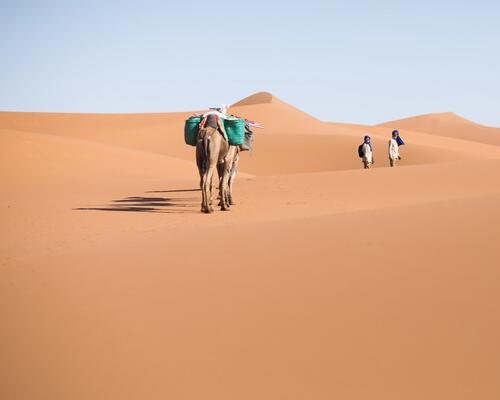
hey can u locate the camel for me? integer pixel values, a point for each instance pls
(214, 152)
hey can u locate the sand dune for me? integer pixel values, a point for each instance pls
(324, 281)
(449, 124)
(292, 141)
(34, 160)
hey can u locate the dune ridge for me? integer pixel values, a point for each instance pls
(257, 98)
(449, 124)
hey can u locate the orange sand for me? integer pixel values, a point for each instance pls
(325, 281)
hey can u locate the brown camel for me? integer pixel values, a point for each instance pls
(212, 149)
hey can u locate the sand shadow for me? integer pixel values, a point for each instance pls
(174, 191)
(165, 205)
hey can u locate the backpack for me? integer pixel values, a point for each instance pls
(247, 140)
(361, 151)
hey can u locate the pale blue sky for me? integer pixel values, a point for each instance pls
(348, 61)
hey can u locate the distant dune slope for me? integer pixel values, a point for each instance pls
(450, 125)
(292, 141)
(33, 162)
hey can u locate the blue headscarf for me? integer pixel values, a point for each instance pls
(399, 140)
(367, 140)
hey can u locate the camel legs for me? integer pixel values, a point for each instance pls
(201, 163)
(224, 189)
(207, 155)
(229, 168)
(220, 173)
(232, 176)
(206, 190)
(230, 189)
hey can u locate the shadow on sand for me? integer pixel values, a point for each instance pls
(174, 191)
(152, 204)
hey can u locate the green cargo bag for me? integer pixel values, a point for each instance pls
(191, 130)
(235, 130)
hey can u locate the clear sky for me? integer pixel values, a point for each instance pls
(346, 61)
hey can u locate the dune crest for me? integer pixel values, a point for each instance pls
(448, 124)
(257, 98)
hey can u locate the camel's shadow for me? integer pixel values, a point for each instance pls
(143, 204)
